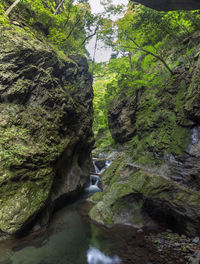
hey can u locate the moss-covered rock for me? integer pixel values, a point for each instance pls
(45, 126)
(122, 118)
(165, 121)
(130, 192)
(192, 104)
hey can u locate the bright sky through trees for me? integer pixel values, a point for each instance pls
(102, 53)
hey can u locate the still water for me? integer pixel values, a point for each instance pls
(70, 239)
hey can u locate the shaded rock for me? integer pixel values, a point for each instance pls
(195, 240)
(167, 5)
(121, 119)
(192, 100)
(185, 168)
(100, 163)
(196, 258)
(45, 128)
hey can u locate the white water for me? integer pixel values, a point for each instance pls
(95, 167)
(95, 256)
(95, 179)
(93, 187)
(108, 163)
(195, 135)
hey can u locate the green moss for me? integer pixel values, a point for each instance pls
(42, 117)
(128, 191)
(192, 97)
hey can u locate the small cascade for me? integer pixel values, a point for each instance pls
(95, 167)
(108, 163)
(93, 187)
(95, 256)
(95, 178)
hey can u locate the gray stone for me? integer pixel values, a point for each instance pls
(196, 258)
(196, 240)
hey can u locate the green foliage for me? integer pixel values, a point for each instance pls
(150, 41)
(3, 18)
(67, 28)
(100, 124)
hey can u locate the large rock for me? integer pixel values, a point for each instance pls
(45, 127)
(167, 5)
(131, 192)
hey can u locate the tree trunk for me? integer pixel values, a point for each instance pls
(58, 8)
(11, 7)
(94, 55)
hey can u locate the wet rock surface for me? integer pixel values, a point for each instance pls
(100, 163)
(135, 245)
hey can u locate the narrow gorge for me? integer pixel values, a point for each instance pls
(99, 162)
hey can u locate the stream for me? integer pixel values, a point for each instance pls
(72, 238)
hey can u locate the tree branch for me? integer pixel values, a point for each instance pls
(90, 36)
(72, 29)
(151, 53)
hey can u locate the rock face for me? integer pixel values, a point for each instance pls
(167, 5)
(45, 127)
(132, 195)
(160, 175)
(163, 126)
(122, 117)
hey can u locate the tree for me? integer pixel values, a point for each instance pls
(140, 33)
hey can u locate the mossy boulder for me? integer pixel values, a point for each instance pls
(132, 193)
(45, 126)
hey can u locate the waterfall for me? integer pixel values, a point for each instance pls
(95, 256)
(95, 178)
(107, 164)
(93, 187)
(95, 167)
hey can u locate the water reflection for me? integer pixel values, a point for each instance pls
(67, 241)
(95, 256)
